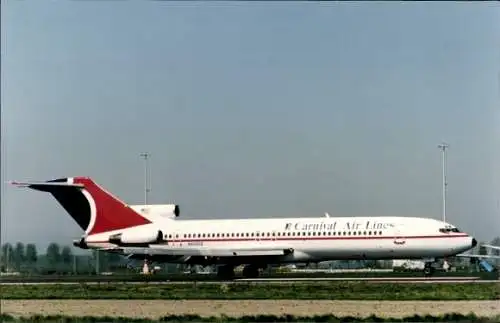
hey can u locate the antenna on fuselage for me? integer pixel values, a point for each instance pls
(327, 215)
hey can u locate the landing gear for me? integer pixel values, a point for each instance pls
(429, 269)
(250, 271)
(225, 272)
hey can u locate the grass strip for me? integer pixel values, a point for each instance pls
(289, 290)
(213, 277)
(451, 317)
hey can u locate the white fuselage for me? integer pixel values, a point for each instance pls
(312, 239)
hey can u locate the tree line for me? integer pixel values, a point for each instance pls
(20, 257)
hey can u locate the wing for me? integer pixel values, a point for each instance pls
(491, 246)
(208, 252)
(478, 256)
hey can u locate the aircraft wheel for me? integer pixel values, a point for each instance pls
(428, 269)
(225, 272)
(251, 272)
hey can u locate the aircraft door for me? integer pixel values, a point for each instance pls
(399, 240)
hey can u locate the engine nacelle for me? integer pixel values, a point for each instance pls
(139, 236)
(170, 211)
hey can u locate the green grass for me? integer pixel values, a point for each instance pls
(452, 317)
(312, 290)
(212, 277)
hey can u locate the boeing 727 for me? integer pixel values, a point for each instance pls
(153, 232)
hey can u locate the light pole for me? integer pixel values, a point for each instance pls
(443, 146)
(146, 169)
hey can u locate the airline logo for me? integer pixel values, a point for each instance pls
(350, 225)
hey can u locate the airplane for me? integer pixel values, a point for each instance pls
(153, 232)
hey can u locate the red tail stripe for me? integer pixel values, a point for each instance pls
(111, 213)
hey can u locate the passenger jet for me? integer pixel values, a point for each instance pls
(152, 232)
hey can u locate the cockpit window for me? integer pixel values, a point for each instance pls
(447, 230)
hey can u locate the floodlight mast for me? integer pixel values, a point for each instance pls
(443, 146)
(146, 156)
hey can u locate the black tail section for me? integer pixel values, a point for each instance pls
(71, 199)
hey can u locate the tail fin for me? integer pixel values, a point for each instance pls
(94, 209)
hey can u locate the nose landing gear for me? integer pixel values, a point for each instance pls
(429, 269)
(250, 271)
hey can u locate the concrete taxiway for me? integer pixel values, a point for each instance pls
(399, 280)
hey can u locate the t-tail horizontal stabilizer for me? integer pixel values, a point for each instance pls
(92, 207)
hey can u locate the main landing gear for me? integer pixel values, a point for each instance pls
(250, 271)
(429, 269)
(227, 271)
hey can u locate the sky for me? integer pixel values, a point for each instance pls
(252, 109)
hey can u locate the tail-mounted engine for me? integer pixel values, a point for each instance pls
(170, 211)
(140, 236)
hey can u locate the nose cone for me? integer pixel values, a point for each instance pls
(474, 242)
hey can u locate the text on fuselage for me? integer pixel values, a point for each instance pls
(350, 225)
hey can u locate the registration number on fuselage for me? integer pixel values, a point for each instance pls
(195, 243)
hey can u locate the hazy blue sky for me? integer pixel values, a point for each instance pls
(253, 109)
